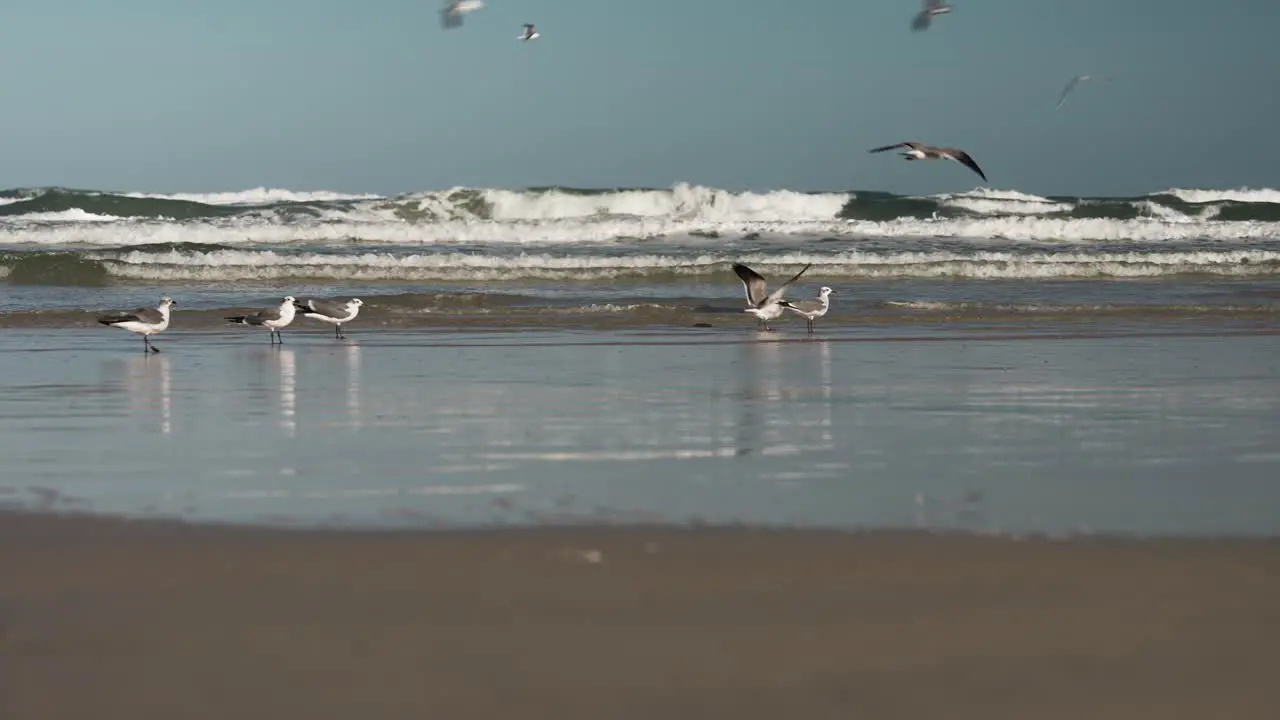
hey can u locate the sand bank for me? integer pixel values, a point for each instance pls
(102, 618)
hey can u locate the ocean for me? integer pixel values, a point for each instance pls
(642, 257)
(992, 361)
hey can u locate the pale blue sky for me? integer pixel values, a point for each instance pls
(197, 95)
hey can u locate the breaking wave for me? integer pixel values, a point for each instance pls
(60, 216)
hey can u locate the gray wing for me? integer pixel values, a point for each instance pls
(910, 143)
(920, 21)
(146, 315)
(806, 305)
(328, 308)
(753, 282)
(1071, 85)
(264, 315)
(963, 158)
(449, 17)
(777, 294)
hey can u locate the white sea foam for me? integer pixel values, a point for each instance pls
(683, 202)
(264, 265)
(255, 196)
(505, 217)
(236, 231)
(74, 215)
(1264, 195)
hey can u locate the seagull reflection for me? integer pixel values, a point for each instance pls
(824, 364)
(352, 355)
(274, 366)
(148, 383)
(288, 391)
(757, 384)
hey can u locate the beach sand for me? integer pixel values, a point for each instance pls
(105, 618)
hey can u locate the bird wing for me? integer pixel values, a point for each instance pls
(932, 4)
(329, 308)
(920, 21)
(451, 15)
(776, 295)
(1071, 85)
(807, 306)
(963, 158)
(265, 315)
(146, 315)
(911, 144)
(753, 282)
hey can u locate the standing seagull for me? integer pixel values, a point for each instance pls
(920, 151)
(765, 307)
(144, 321)
(451, 15)
(924, 17)
(333, 312)
(271, 318)
(1071, 85)
(528, 33)
(811, 309)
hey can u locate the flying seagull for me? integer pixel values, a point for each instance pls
(1071, 85)
(528, 33)
(334, 312)
(271, 318)
(766, 307)
(811, 309)
(451, 15)
(920, 151)
(144, 321)
(925, 16)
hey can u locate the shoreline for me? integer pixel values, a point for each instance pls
(158, 619)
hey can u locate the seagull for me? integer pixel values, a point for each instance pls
(924, 17)
(811, 309)
(920, 151)
(765, 307)
(528, 33)
(1071, 85)
(331, 311)
(144, 321)
(451, 15)
(271, 318)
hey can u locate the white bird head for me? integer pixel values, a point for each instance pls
(288, 300)
(825, 291)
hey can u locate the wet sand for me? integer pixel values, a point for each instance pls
(104, 618)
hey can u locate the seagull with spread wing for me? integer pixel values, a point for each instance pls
(451, 15)
(920, 151)
(1071, 86)
(925, 16)
(764, 305)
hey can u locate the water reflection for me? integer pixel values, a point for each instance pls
(784, 390)
(288, 391)
(148, 383)
(352, 355)
(276, 365)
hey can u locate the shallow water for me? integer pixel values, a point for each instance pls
(1162, 433)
